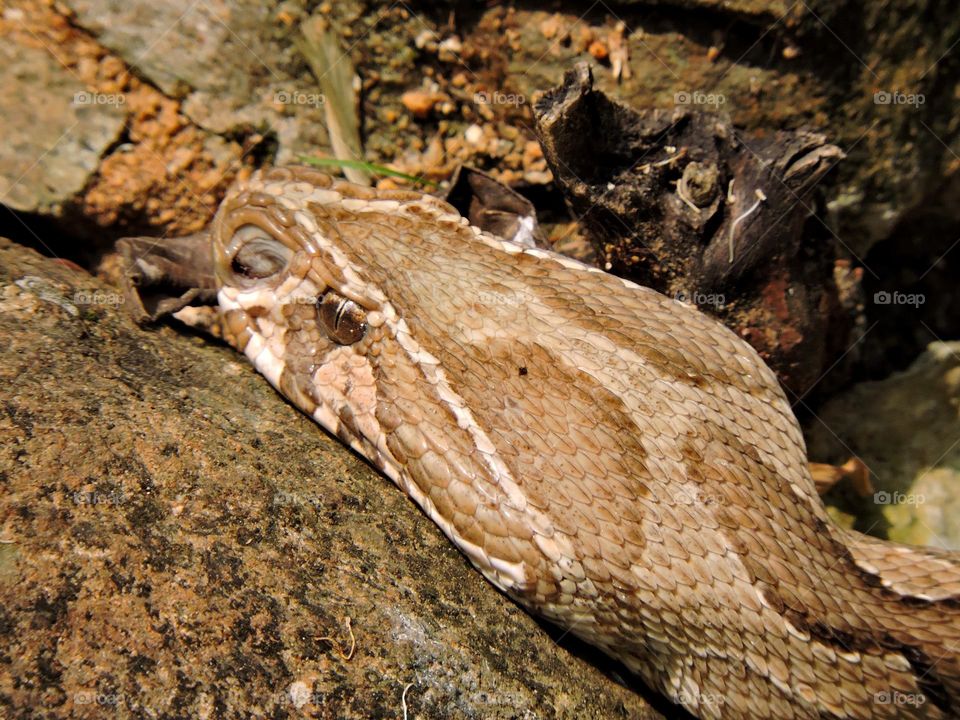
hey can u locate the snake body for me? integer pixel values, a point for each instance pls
(612, 459)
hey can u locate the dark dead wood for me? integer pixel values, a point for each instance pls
(681, 201)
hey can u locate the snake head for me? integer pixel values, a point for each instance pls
(287, 298)
(406, 332)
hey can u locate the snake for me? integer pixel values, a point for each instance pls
(615, 461)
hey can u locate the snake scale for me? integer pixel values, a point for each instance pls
(613, 460)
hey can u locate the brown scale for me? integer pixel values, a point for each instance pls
(667, 512)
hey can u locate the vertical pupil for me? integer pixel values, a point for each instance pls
(342, 318)
(339, 315)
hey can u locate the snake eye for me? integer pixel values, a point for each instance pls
(344, 321)
(259, 255)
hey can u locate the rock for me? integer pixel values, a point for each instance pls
(855, 72)
(54, 130)
(905, 428)
(178, 541)
(152, 37)
(182, 46)
(421, 102)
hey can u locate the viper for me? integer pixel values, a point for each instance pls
(613, 460)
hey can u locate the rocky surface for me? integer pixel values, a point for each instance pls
(158, 171)
(177, 541)
(907, 430)
(233, 63)
(54, 130)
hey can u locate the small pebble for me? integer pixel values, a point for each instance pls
(420, 102)
(598, 50)
(474, 134)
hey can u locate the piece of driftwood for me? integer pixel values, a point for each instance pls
(682, 202)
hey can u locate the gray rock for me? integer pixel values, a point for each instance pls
(54, 131)
(221, 58)
(906, 428)
(178, 541)
(177, 45)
